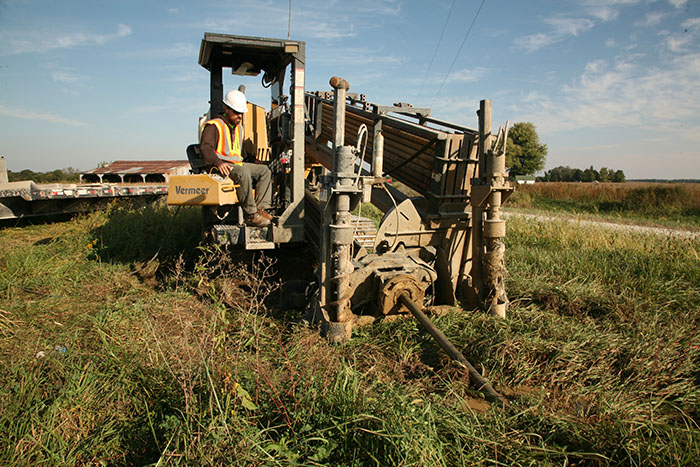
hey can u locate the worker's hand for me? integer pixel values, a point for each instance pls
(224, 168)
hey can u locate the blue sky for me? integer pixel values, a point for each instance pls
(612, 83)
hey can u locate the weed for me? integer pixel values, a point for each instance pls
(599, 355)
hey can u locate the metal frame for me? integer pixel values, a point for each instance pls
(252, 56)
(450, 237)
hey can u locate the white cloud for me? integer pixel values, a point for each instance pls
(604, 13)
(69, 80)
(388, 7)
(25, 114)
(678, 3)
(612, 2)
(456, 110)
(324, 30)
(42, 42)
(652, 19)
(467, 75)
(628, 93)
(678, 43)
(312, 19)
(570, 26)
(562, 28)
(178, 49)
(535, 42)
(122, 30)
(188, 76)
(363, 79)
(66, 77)
(606, 10)
(691, 23)
(533, 96)
(599, 3)
(353, 56)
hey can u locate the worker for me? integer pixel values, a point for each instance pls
(221, 144)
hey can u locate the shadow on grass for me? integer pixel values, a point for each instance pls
(136, 233)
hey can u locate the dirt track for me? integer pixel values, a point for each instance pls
(608, 225)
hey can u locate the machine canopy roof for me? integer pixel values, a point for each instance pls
(247, 55)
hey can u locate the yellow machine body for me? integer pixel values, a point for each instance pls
(201, 190)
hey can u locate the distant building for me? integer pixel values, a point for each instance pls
(136, 172)
(525, 179)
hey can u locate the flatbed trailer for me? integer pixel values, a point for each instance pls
(27, 199)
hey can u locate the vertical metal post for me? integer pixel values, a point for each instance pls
(216, 91)
(298, 123)
(3, 170)
(488, 233)
(341, 237)
(485, 137)
(336, 231)
(484, 114)
(378, 151)
(340, 88)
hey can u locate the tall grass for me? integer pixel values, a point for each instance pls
(670, 202)
(598, 355)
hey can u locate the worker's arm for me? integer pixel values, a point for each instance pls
(210, 139)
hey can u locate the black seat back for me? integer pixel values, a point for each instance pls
(194, 155)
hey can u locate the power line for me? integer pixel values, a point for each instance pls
(459, 51)
(449, 13)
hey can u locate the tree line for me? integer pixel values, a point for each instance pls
(525, 155)
(567, 174)
(69, 175)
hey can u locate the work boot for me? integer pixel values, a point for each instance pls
(265, 214)
(256, 220)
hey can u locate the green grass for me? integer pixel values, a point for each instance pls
(370, 211)
(195, 365)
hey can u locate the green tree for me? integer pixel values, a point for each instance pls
(69, 175)
(618, 176)
(525, 155)
(590, 175)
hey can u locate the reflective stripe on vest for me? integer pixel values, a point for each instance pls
(228, 150)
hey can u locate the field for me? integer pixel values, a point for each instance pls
(667, 204)
(195, 360)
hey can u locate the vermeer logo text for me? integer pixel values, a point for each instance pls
(191, 191)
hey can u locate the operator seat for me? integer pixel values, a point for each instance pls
(194, 155)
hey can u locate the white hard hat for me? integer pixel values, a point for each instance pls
(237, 101)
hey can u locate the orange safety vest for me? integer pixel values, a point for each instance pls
(228, 150)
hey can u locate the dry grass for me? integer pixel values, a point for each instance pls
(665, 192)
(675, 204)
(599, 356)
